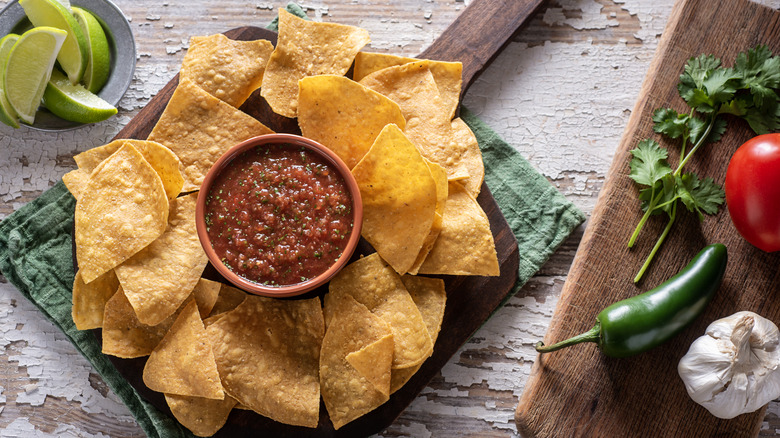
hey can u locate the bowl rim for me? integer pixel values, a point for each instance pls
(296, 289)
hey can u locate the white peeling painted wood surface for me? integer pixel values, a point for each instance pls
(560, 93)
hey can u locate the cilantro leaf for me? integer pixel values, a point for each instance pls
(720, 85)
(649, 163)
(699, 67)
(670, 123)
(700, 196)
(761, 122)
(758, 67)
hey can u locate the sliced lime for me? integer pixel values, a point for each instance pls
(99, 55)
(74, 102)
(7, 113)
(29, 67)
(73, 55)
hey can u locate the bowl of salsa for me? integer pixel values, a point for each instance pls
(279, 215)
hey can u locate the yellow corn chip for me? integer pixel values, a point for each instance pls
(307, 48)
(374, 361)
(440, 177)
(465, 245)
(183, 362)
(199, 128)
(448, 75)
(267, 353)
(161, 276)
(229, 70)
(122, 209)
(373, 283)
(346, 392)
(430, 297)
(162, 160)
(229, 298)
(472, 156)
(125, 336)
(89, 300)
(428, 125)
(75, 180)
(399, 198)
(344, 115)
(202, 416)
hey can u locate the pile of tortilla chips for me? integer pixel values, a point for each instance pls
(212, 348)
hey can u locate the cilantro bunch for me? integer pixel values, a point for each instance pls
(749, 90)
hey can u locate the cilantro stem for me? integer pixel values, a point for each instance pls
(650, 208)
(698, 144)
(657, 246)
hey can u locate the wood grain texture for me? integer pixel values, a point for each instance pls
(580, 392)
(479, 34)
(471, 300)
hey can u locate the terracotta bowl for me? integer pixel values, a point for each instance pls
(290, 290)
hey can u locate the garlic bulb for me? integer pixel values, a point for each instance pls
(733, 368)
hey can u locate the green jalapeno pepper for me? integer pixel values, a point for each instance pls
(645, 321)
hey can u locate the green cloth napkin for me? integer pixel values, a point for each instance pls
(36, 251)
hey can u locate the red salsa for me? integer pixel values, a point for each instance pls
(278, 215)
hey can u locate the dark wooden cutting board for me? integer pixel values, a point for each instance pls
(581, 392)
(471, 300)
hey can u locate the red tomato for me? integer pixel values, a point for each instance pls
(753, 191)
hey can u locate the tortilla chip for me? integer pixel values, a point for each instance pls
(428, 125)
(448, 75)
(162, 160)
(465, 245)
(160, 277)
(472, 156)
(183, 362)
(267, 353)
(440, 177)
(346, 392)
(307, 48)
(75, 180)
(344, 115)
(229, 70)
(374, 361)
(199, 128)
(399, 198)
(89, 300)
(202, 416)
(206, 293)
(122, 209)
(229, 298)
(373, 283)
(125, 336)
(430, 297)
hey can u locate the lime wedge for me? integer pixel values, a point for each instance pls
(99, 55)
(7, 113)
(29, 67)
(73, 55)
(74, 102)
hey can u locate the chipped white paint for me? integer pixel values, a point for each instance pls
(562, 104)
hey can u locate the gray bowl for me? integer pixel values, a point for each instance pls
(120, 41)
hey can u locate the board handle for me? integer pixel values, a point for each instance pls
(479, 33)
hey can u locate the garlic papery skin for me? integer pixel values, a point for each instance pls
(735, 367)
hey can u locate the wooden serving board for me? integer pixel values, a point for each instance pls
(581, 392)
(471, 300)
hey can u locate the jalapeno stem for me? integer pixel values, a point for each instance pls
(591, 335)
